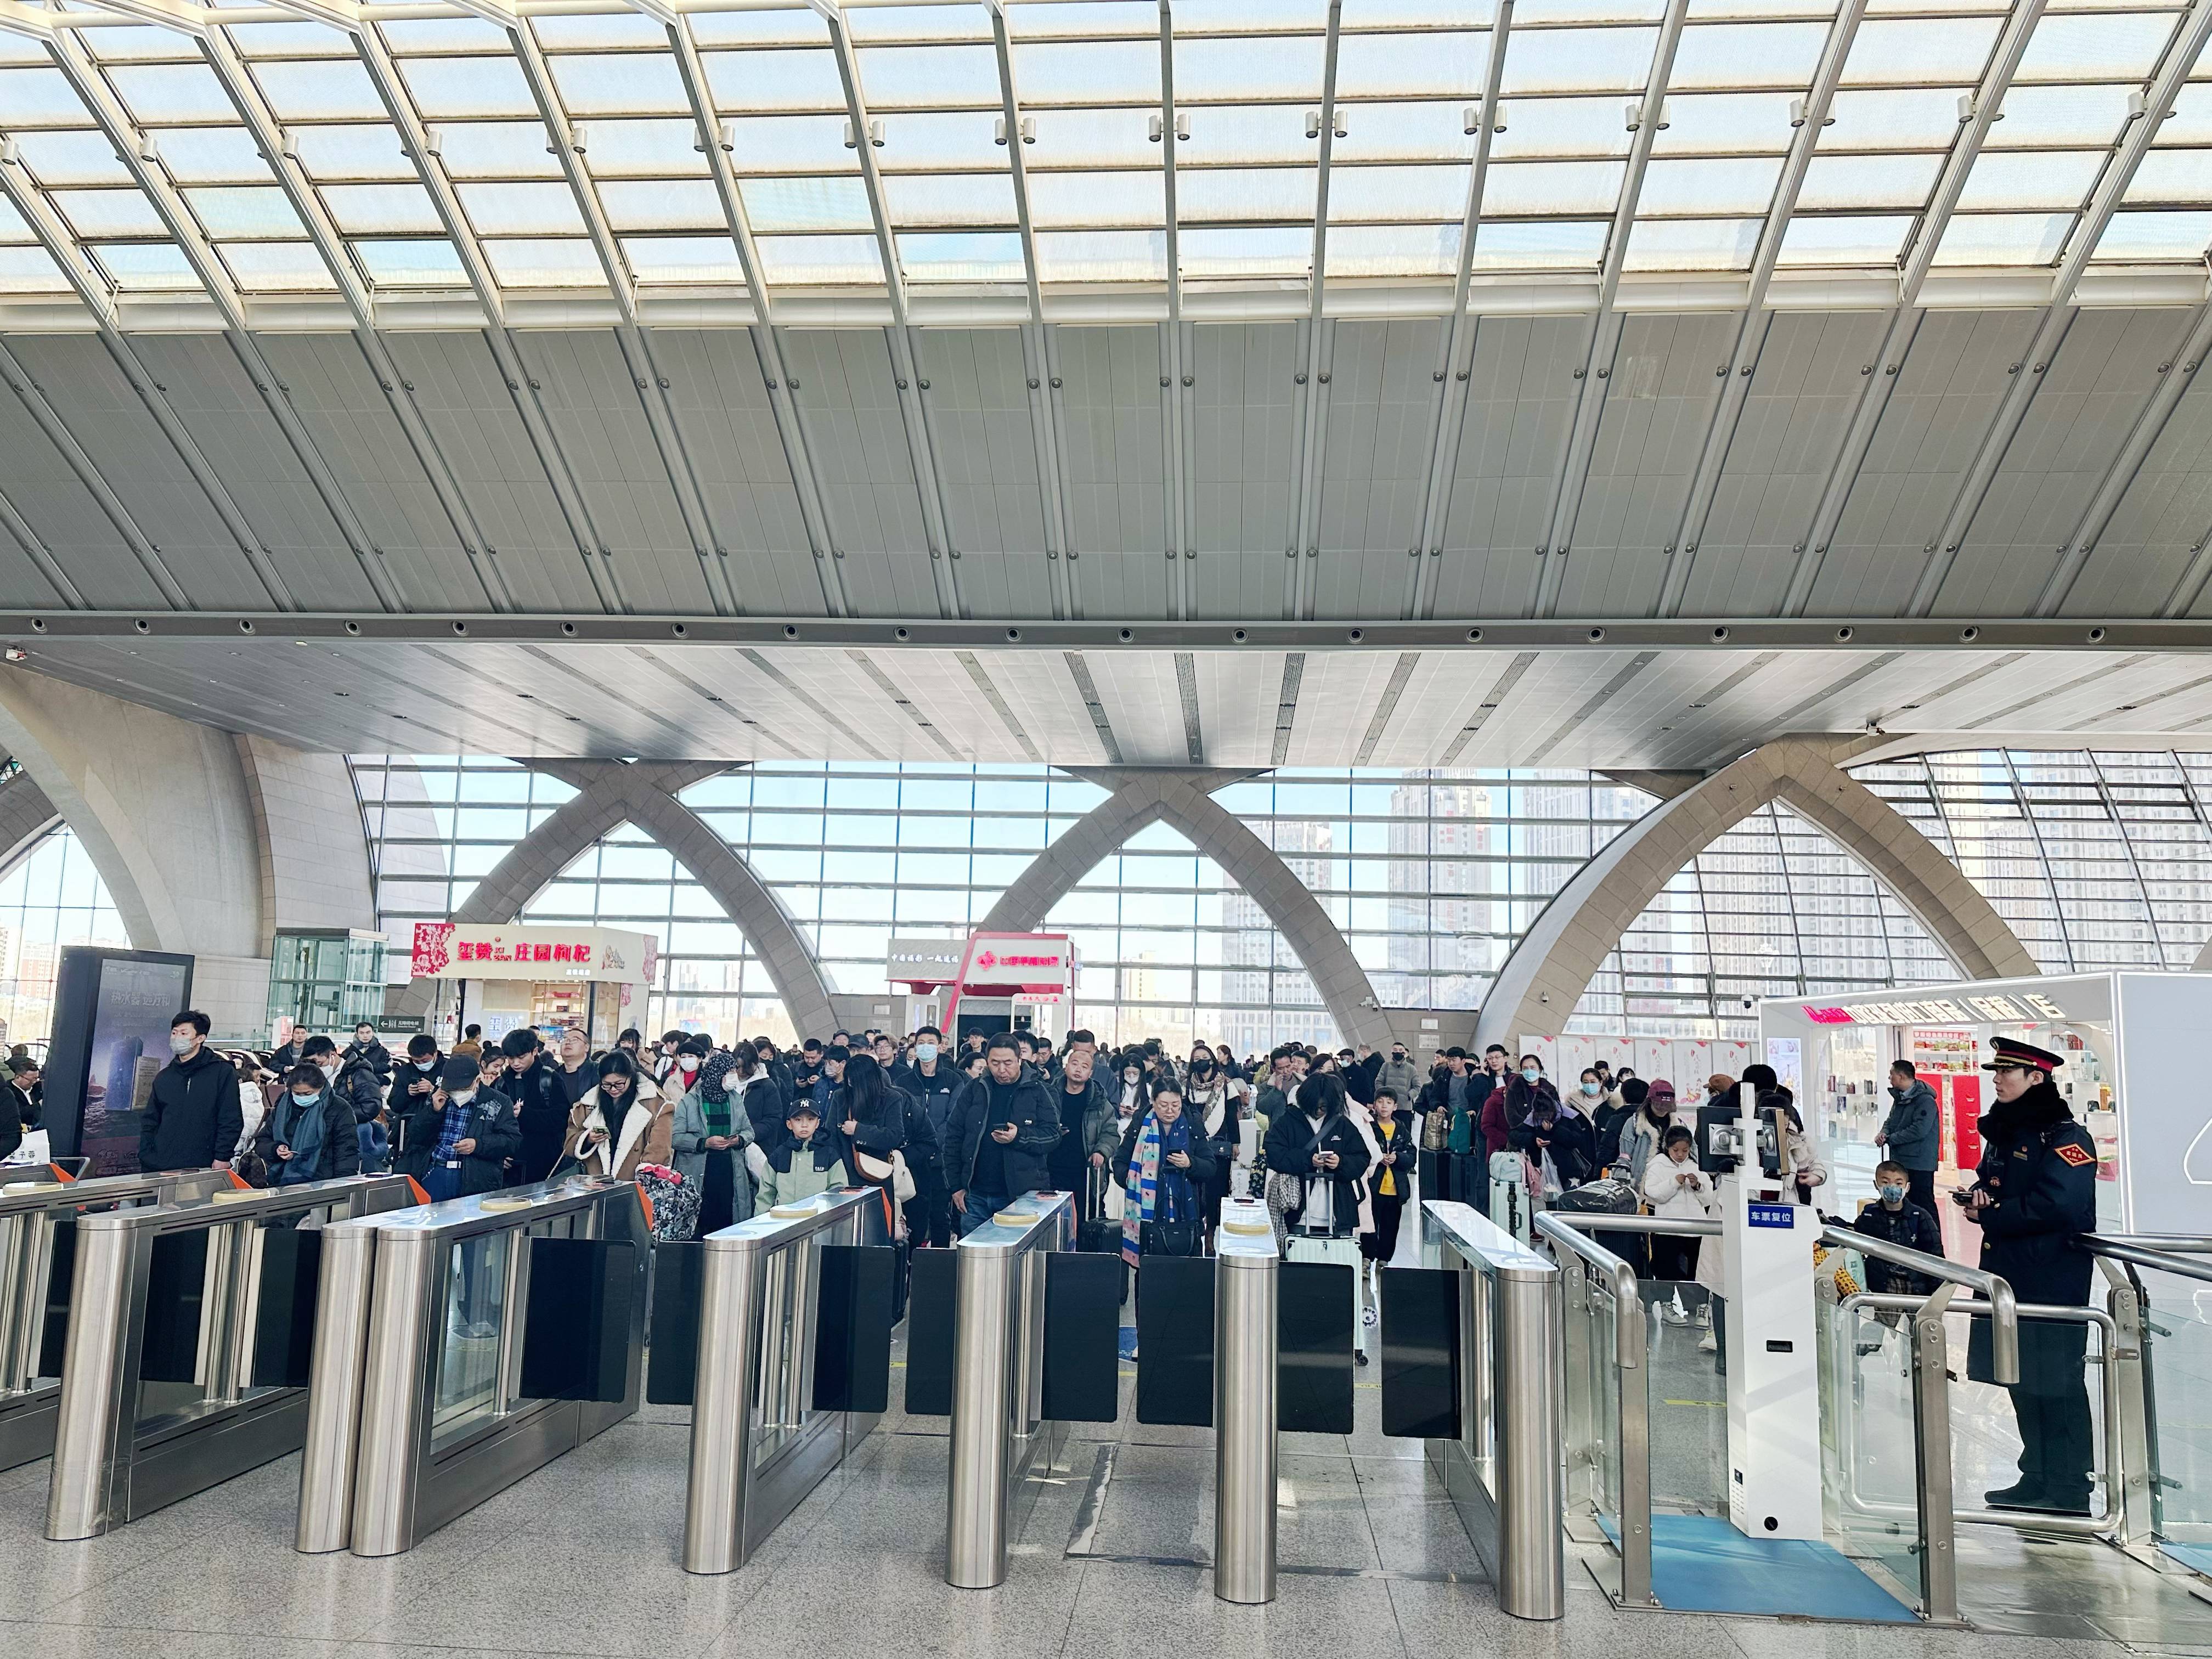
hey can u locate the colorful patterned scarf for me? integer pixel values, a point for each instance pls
(1158, 1190)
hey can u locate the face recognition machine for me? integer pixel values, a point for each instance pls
(1766, 1250)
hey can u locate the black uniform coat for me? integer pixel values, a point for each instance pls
(2040, 1167)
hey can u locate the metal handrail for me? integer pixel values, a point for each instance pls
(2128, 1247)
(2174, 1243)
(1670, 1226)
(1628, 1334)
(2085, 1527)
(2004, 1306)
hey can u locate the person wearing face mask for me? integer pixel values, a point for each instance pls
(713, 1127)
(466, 1134)
(1895, 1218)
(1133, 1092)
(413, 1082)
(1320, 1155)
(1210, 1103)
(621, 1122)
(1398, 1075)
(311, 1134)
(1525, 1088)
(1912, 1132)
(933, 1082)
(192, 1119)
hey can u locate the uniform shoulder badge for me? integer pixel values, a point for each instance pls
(2076, 1154)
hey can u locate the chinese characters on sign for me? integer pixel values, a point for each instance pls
(499, 950)
(2019, 1009)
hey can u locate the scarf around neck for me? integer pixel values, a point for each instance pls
(1158, 1190)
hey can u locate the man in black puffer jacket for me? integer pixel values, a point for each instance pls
(193, 1119)
(1003, 1128)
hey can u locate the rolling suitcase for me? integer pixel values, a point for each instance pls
(1610, 1195)
(1509, 1205)
(1101, 1235)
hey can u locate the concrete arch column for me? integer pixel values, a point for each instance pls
(207, 842)
(1183, 800)
(610, 794)
(26, 815)
(1545, 978)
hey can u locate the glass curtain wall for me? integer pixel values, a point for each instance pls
(49, 897)
(2097, 860)
(1432, 876)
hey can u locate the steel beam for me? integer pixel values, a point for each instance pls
(430, 168)
(39, 554)
(1605, 327)
(1175, 368)
(1319, 342)
(1751, 327)
(1448, 414)
(244, 96)
(2189, 34)
(906, 377)
(768, 341)
(1043, 403)
(1880, 371)
(2176, 375)
(90, 85)
(652, 386)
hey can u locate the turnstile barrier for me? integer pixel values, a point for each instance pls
(460, 1347)
(40, 1206)
(179, 1370)
(793, 1364)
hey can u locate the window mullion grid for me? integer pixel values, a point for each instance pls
(2042, 858)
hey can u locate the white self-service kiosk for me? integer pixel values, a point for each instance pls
(1774, 1383)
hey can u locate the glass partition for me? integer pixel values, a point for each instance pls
(2177, 1380)
(471, 1386)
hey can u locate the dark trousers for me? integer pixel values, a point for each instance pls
(928, 1212)
(1382, 1244)
(2055, 1436)
(1920, 1188)
(1674, 1258)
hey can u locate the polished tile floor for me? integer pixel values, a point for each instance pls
(581, 1559)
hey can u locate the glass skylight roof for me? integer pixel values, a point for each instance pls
(129, 145)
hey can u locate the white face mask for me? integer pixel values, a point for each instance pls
(689, 1063)
(463, 1097)
(925, 1052)
(425, 1065)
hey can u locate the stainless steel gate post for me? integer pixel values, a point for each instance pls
(754, 1374)
(334, 1389)
(1245, 1288)
(994, 1432)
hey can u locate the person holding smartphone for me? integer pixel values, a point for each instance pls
(1002, 1131)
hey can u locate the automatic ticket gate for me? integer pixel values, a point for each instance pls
(1014, 1336)
(460, 1347)
(39, 1207)
(791, 1317)
(186, 1359)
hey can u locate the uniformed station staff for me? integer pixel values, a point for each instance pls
(2034, 1195)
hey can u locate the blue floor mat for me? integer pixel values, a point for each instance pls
(2197, 1558)
(1700, 1563)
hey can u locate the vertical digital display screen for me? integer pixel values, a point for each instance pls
(132, 1006)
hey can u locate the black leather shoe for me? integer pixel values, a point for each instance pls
(2021, 1495)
